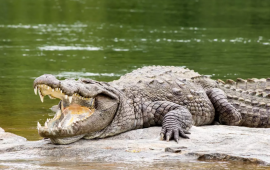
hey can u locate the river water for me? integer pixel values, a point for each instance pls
(105, 39)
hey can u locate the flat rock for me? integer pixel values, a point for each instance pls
(1, 130)
(10, 138)
(215, 142)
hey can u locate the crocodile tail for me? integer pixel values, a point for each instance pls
(253, 115)
(251, 98)
(253, 84)
(251, 91)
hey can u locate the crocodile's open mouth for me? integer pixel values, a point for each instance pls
(71, 110)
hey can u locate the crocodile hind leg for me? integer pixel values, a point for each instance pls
(227, 113)
(176, 120)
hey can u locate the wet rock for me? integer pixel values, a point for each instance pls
(174, 149)
(225, 157)
(219, 143)
(10, 138)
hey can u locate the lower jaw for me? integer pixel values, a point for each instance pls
(66, 140)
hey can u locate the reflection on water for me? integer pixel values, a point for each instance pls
(62, 48)
(84, 74)
(103, 40)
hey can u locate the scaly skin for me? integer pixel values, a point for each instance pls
(251, 99)
(172, 97)
(243, 103)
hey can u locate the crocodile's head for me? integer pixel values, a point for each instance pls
(85, 107)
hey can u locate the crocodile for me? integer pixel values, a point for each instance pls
(175, 98)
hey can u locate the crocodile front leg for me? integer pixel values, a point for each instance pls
(175, 124)
(176, 120)
(227, 113)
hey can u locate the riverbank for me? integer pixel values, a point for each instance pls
(240, 145)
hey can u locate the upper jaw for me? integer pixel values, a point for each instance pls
(53, 93)
(70, 87)
(48, 85)
(69, 115)
(73, 109)
(91, 98)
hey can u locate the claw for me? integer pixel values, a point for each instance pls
(176, 135)
(161, 136)
(186, 132)
(167, 138)
(168, 135)
(182, 134)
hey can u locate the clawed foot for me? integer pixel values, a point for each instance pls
(176, 123)
(174, 132)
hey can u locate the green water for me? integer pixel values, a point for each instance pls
(105, 39)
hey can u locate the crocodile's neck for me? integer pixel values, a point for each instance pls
(125, 118)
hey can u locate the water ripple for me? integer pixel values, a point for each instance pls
(65, 48)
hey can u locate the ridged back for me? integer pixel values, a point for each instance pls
(254, 91)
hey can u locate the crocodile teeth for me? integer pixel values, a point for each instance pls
(59, 125)
(46, 124)
(70, 99)
(66, 96)
(41, 96)
(38, 125)
(51, 97)
(35, 90)
(93, 102)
